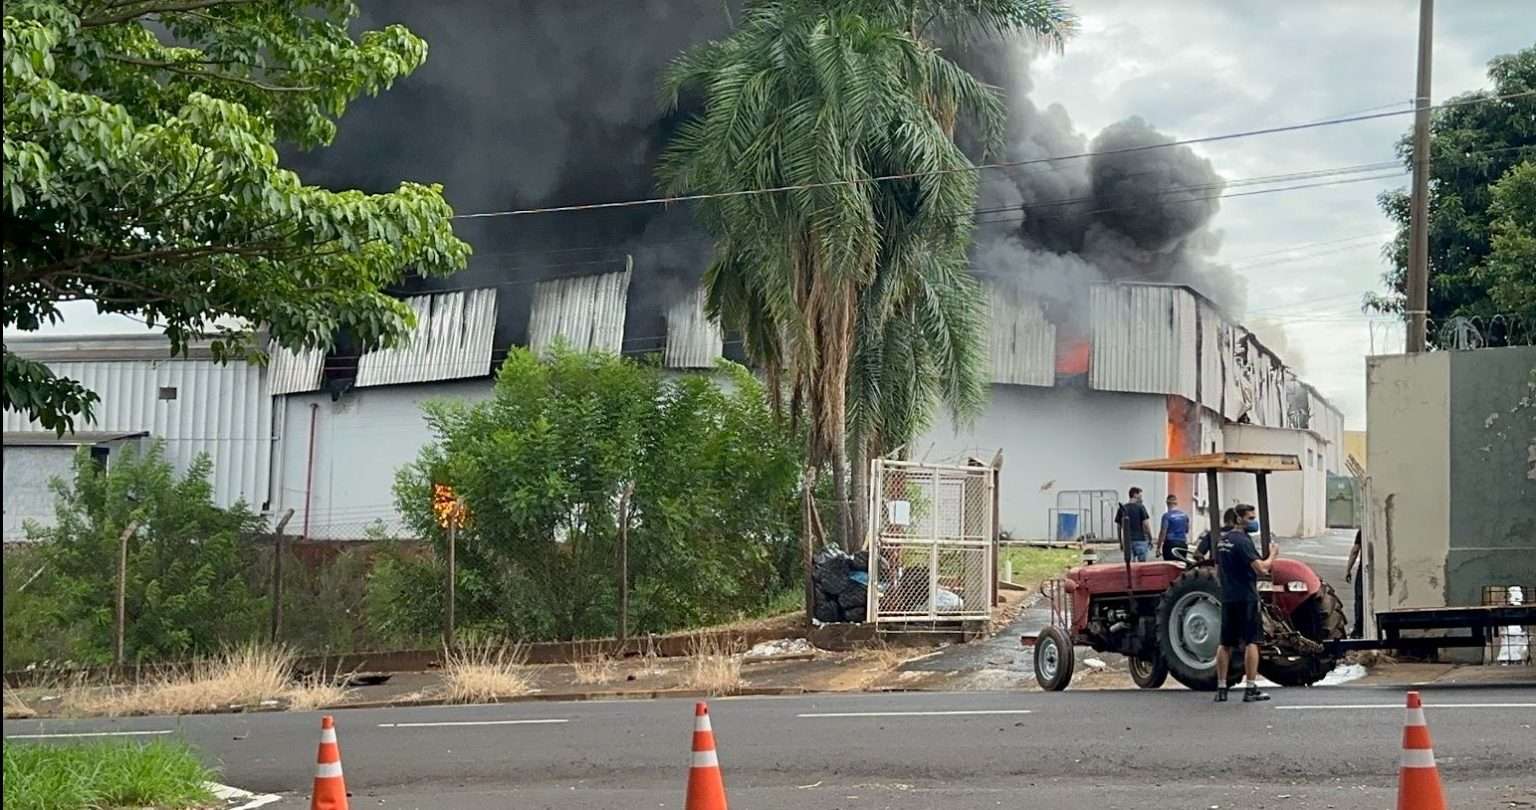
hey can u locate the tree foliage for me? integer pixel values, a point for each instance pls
(141, 173)
(543, 467)
(1475, 147)
(831, 100)
(187, 591)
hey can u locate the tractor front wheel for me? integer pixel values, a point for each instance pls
(1054, 659)
(1149, 673)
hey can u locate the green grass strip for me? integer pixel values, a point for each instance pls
(97, 776)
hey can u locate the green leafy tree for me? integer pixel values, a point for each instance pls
(141, 173)
(187, 592)
(543, 467)
(1511, 265)
(824, 97)
(1474, 147)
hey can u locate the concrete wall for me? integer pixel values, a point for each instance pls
(27, 495)
(361, 440)
(1493, 472)
(1298, 502)
(1451, 483)
(1056, 439)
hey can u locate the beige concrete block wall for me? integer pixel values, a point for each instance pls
(1407, 515)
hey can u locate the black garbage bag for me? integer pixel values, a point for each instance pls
(853, 600)
(828, 612)
(860, 561)
(831, 573)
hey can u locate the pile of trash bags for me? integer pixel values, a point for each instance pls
(842, 585)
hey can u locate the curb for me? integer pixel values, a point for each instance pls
(579, 697)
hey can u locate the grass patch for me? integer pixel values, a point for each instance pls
(484, 671)
(594, 664)
(16, 708)
(242, 676)
(104, 775)
(714, 665)
(1033, 565)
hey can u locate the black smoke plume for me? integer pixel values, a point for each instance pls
(533, 103)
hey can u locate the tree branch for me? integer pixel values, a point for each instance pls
(179, 67)
(125, 12)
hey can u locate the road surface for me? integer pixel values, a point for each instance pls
(1313, 748)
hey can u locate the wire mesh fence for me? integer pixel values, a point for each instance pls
(933, 541)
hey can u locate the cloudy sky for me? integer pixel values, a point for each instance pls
(1202, 68)
(1195, 68)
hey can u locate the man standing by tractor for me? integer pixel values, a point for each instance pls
(1174, 532)
(1239, 567)
(1135, 524)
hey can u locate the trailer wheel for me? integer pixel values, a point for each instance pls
(1320, 618)
(1149, 673)
(1054, 659)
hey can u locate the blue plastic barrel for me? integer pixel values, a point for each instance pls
(1066, 525)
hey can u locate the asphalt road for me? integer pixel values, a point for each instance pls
(1314, 748)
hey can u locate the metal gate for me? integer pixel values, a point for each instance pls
(932, 534)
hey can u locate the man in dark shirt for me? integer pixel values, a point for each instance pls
(1239, 566)
(1135, 524)
(1354, 571)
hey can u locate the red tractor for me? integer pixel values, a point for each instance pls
(1165, 617)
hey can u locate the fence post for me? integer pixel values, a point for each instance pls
(277, 575)
(629, 489)
(122, 591)
(453, 574)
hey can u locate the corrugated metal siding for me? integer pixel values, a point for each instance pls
(1214, 334)
(586, 313)
(451, 340)
(693, 340)
(1022, 343)
(222, 410)
(1143, 339)
(291, 372)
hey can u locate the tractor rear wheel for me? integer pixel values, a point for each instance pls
(1320, 618)
(1054, 659)
(1189, 628)
(1148, 673)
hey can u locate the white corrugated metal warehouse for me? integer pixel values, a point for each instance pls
(1153, 369)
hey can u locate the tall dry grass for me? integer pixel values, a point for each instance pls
(16, 708)
(594, 664)
(714, 665)
(484, 672)
(240, 677)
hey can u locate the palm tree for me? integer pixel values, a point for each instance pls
(826, 100)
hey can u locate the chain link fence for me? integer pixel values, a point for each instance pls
(932, 542)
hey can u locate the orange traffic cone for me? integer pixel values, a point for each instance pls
(706, 790)
(1418, 781)
(330, 789)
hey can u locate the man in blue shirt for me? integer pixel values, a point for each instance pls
(1174, 533)
(1239, 566)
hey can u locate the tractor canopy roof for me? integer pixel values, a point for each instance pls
(1219, 462)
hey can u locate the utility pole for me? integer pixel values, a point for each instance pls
(121, 625)
(1418, 234)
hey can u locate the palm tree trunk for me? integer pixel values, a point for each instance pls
(808, 539)
(858, 476)
(840, 492)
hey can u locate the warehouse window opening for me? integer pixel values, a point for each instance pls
(167, 393)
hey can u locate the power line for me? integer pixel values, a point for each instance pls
(651, 201)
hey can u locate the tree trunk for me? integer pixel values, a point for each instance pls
(840, 492)
(858, 476)
(808, 539)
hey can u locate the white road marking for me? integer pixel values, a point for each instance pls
(1399, 705)
(62, 735)
(475, 723)
(957, 713)
(249, 800)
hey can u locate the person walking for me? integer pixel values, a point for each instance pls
(1173, 534)
(1239, 567)
(1135, 524)
(1354, 571)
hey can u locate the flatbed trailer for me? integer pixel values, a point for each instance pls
(1479, 621)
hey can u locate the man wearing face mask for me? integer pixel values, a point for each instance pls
(1240, 567)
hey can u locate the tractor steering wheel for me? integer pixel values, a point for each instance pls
(1183, 555)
